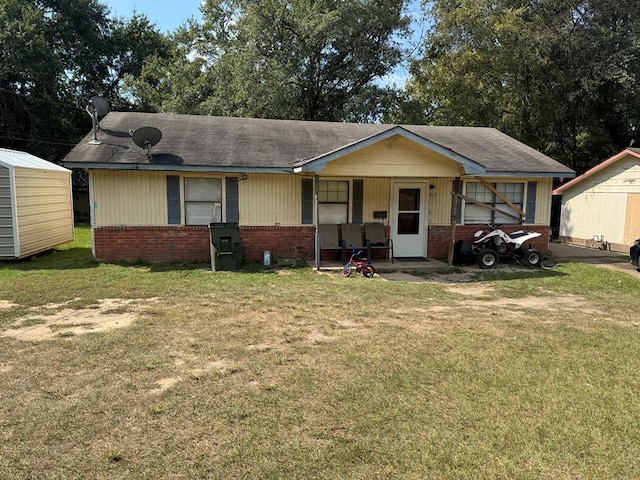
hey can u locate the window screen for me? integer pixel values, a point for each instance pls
(333, 197)
(202, 200)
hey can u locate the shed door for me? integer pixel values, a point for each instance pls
(408, 222)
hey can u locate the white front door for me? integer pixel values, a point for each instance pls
(408, 219)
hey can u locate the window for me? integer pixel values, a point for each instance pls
(473, 213)
(202, 200)
(333, 199)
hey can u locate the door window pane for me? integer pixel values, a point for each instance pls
(409, 199)
(408, 223)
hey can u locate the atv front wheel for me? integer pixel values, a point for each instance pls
(487, 258)
(532, 258)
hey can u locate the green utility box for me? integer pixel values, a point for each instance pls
(226, 246)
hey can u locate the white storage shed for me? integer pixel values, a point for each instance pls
(601, 208)
(36, 205)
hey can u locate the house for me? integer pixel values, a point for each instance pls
(279, 179)
(601, 207)
(36, 208)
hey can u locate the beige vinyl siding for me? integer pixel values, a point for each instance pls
(377, 193)
(394, 157)
(270, 199)
(129, 198)
(440, 201)
(543, 200)
(6, 216)
(44, 209)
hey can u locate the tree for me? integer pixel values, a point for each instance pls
(56, 54)
(295, 59)
(562, 77)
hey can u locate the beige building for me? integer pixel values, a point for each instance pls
(601, 208)
(277, 180)
(36, 207)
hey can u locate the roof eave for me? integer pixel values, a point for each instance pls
(176, 168)
(529, 174)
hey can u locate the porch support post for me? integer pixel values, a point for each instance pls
(316, 187)
(456, 191)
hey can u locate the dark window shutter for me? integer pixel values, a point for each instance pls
(307, 201)
(532, 190)
(233, 214)
(173, 200)
(358, 201)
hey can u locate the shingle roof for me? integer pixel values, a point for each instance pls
(242, 144)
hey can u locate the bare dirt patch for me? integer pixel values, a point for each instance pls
(469, 290)
(567, 302)
(188, 368)
(6, 304)
(109, 314)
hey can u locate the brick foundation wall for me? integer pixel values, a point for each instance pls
(439, 237)
(152, 244)
(191, 243)
(283, 242)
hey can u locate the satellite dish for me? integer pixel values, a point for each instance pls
(146, 137)
(98, 107)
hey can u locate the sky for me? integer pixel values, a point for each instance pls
(166, 14)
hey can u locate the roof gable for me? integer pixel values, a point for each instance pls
(634, 152)
(318, 163)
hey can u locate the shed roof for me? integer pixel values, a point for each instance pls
(193, 142)
(635, 152)
(15, 158)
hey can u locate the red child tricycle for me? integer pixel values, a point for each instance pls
(358, 264)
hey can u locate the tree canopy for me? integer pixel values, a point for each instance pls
(55, 55)
(294, 59)
(563, 77)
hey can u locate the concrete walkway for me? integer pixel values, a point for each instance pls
(566, 252)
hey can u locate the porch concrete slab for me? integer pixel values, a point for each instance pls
(398, 265)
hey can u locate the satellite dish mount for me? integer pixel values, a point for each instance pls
(147, 137)
(98, 107)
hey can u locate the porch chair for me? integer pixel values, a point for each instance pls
(328, 238)
(351, 238)
(376, 239)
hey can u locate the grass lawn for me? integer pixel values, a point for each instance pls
(144, 372)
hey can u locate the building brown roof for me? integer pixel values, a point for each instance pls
(193, 142)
